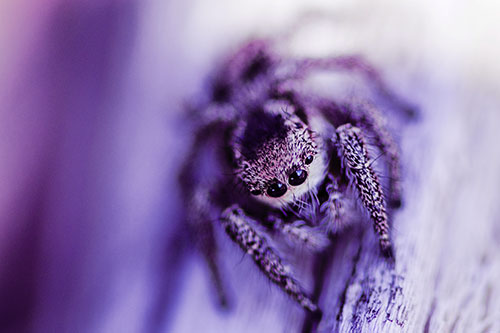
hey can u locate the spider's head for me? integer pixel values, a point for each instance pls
(279, 159)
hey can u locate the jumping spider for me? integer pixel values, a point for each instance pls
(270, 158)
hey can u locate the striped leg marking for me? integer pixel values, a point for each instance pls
(238, 227)
(353, 152)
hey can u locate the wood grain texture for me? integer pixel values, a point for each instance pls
(447, 265)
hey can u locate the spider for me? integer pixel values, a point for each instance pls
(270, 157)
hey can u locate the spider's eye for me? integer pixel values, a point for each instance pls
(276, 189)
(297, 177)
(256, 192)
(309, 159)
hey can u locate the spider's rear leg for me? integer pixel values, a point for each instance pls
(357, 164)
(238, 226)
(199, 177)
(202, 229)
(356, 63)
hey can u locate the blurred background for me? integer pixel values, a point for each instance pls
(91, 141)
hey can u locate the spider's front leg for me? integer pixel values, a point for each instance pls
(238, 226)
(357, 164)
(370, 118)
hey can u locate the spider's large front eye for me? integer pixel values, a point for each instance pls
(297, 177)
(276, 189)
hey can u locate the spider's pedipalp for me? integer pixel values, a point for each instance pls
(238, 226)
(357, 164)
(333, 207)
(301, 234)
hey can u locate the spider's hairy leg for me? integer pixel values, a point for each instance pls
(202, 230)
(333, 207)
(371, 118)
(197, 179)
(299, 233)
(357, 164)
(356, 63)
(238, 226)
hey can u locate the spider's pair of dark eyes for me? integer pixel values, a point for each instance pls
(277, 189)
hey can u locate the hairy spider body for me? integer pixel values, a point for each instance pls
(269, 154)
